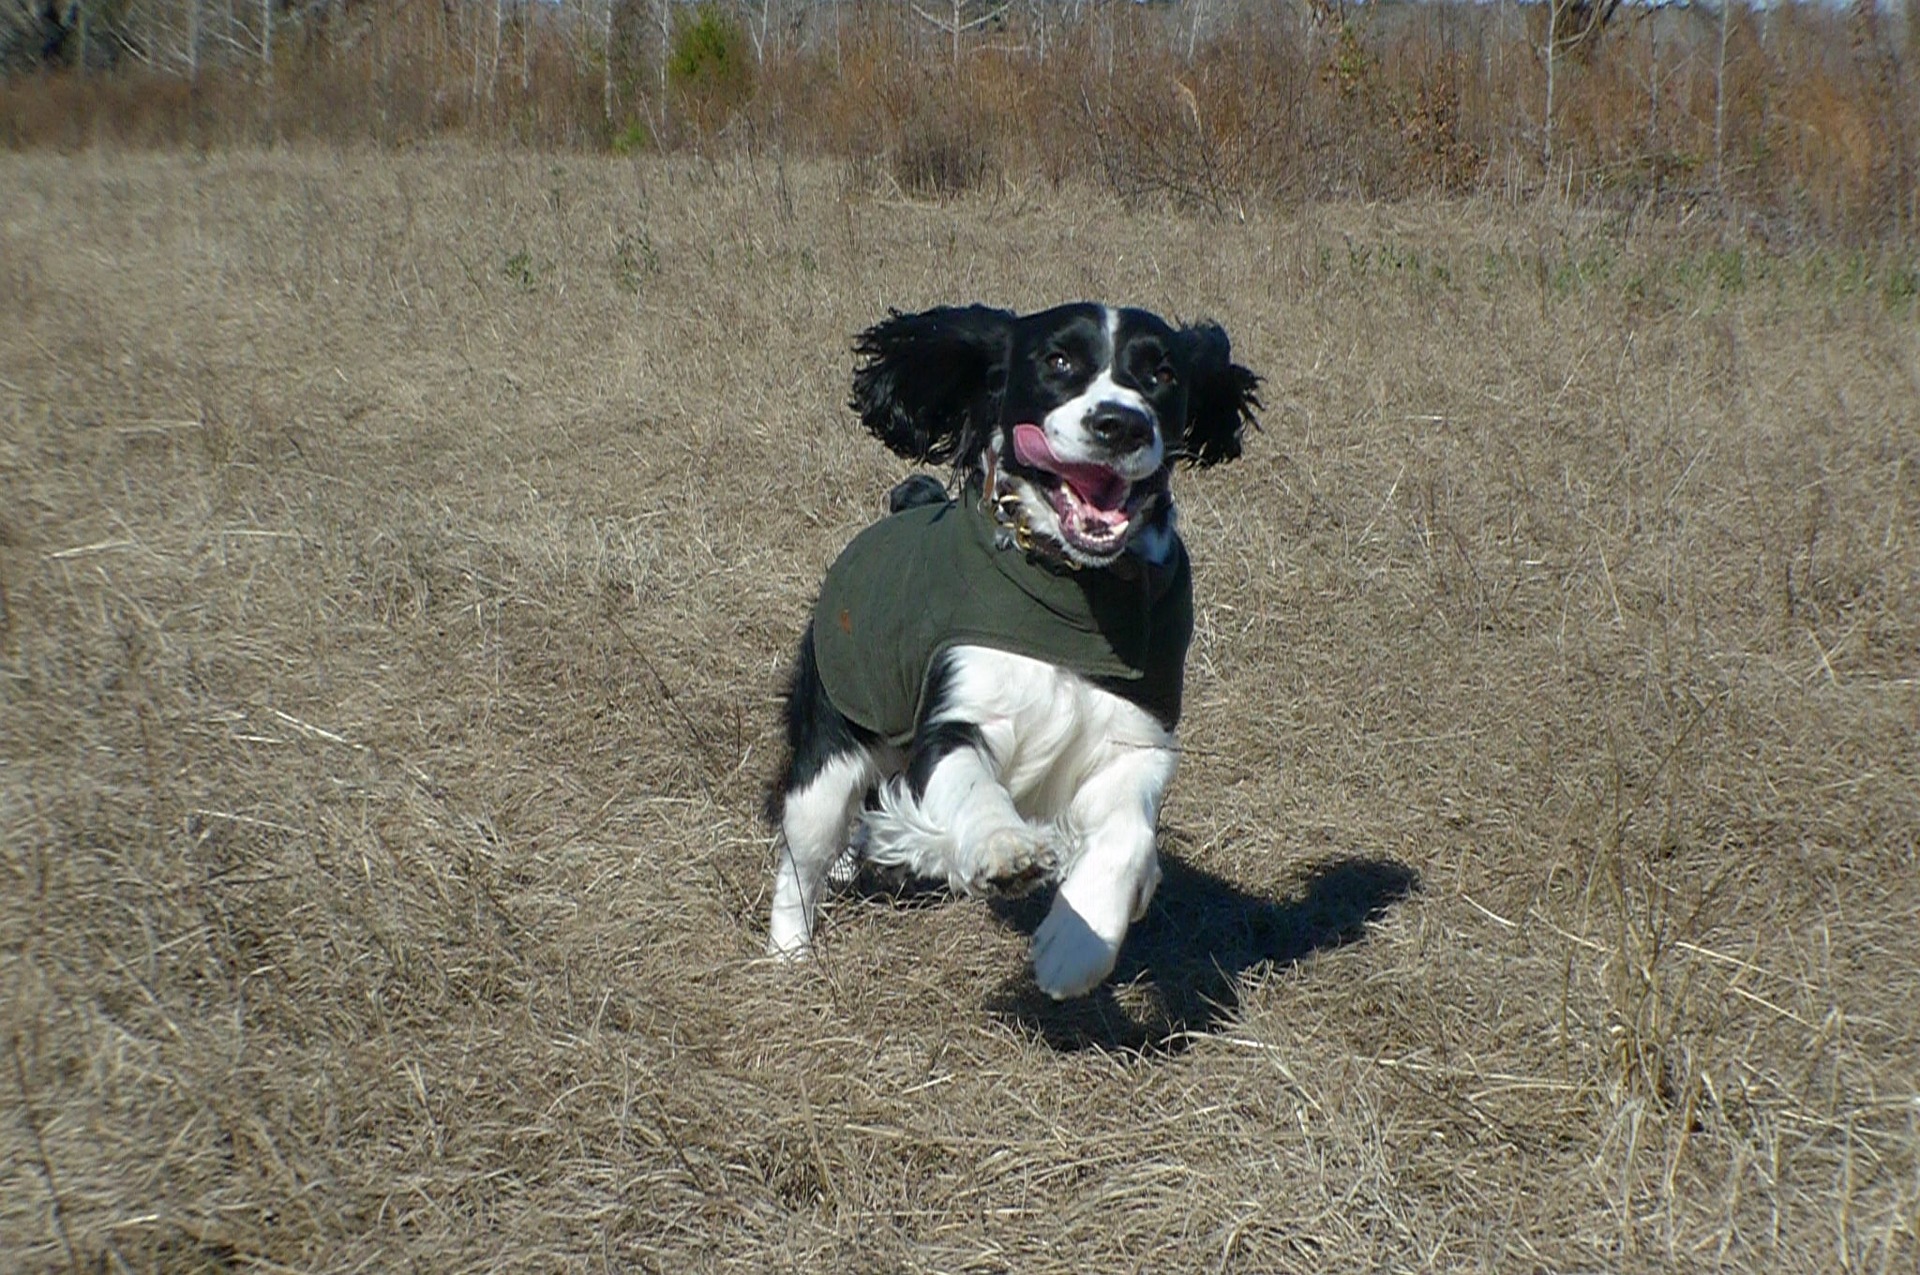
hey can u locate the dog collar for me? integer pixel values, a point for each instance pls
(1004, 506)
(1010, 518)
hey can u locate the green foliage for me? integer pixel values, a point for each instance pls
(635, 137)
(519, 270)
(1903, 285)
(709, 55)
(634, 256)
(1351, 65)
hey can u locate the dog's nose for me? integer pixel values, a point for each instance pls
(1119, 427)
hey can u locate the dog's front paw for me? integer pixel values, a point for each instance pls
(1069, 956)
(1011, 861)
(789, 938)
(788, 946)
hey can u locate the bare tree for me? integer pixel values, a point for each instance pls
(1720, 101)
(1194, 24)
(956, 22)
(1574, 27)
(756, 16)
(606, 64)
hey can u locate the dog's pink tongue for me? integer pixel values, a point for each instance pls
(1098, 487)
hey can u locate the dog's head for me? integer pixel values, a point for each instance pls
(1072, 417)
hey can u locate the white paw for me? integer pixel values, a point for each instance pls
(1011, 861)
(787, 938)
(1069, 957)
(1143, 890)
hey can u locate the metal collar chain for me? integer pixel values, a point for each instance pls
(1012, 519)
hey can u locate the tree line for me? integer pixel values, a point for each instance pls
(1790, 119)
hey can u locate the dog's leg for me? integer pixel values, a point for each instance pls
(1111, 881)
(950, 816)
(831, 765)
(814, 821)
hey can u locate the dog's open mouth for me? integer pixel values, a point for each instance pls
(1090, 500)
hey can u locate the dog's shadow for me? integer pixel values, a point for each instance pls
(1178, 976)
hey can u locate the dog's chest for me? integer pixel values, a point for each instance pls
(1049, 729)
(926, 581)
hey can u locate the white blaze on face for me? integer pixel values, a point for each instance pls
(1071, 438)
(1086, 498)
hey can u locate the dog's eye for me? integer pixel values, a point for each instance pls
(1059, 361)
(1164, 376)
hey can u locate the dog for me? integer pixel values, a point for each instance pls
(989, 686)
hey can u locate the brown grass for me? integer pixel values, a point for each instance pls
(398, 555)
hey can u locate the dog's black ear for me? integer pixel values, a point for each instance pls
(1222, 397)
(927, 384)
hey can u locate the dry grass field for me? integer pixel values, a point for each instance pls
(398, 559)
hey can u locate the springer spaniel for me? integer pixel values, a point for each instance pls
(988, 690)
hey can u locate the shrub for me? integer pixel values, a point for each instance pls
(940, 156)
(709, 68)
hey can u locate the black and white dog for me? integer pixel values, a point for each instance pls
(991, 683)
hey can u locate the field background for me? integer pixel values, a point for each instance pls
(1794, 122)
(399, 553)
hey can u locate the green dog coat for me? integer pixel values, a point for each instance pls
(934, 577)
